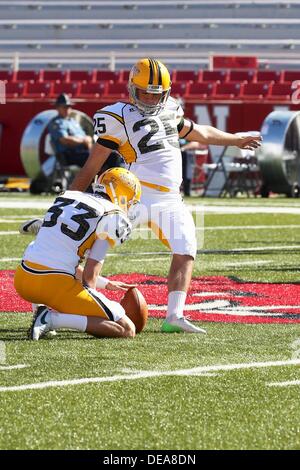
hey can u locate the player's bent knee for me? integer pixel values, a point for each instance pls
(128, 326)
(129, 333)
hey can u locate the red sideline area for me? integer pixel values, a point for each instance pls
(217, 299)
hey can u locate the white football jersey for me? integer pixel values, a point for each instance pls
(72, 225)
(148, 144)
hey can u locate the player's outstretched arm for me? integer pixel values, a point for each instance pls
(209, 135)
(104, 283)
(94, 163)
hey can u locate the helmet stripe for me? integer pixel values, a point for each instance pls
(154, 71)
(159, 72)
(151, 72)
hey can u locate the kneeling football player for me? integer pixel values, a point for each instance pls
(76, 224)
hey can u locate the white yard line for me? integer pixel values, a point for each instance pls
(244, 210)
(257, 248)
(212, 251)
(146, 260)
(150, 374)
(289, 383)
(20, 217)
(223, 307)
(36, 204)
(242, 263)
(212, 209)
(249, 227)
(17, 366)
(12, 232)
(5, 260)
(231, 227)
(12, 221)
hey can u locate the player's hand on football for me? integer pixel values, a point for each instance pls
(249, 142)
(118, 285)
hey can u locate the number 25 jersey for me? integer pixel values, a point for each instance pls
(148, 144)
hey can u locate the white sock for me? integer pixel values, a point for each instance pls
(176, 303)
(66, 320)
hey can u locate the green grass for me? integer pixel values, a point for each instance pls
(230, 410)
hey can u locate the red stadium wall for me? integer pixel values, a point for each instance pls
(229, 116)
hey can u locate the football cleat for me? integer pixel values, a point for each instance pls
(51, 333)
(180, 325)
(31, 227)
(40, 326)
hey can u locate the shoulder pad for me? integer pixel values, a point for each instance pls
(113, 108)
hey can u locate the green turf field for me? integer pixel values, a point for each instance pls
(162, 391)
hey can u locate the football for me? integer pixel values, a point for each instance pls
(136, 308)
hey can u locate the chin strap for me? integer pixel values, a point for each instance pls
(113, 192)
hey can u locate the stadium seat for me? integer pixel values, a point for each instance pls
(55, 75)
(84, 76)
(106, 75)
(70, 89)
(290, 75)
(199, 90)
(227, 91)
(281, 91)
(27, 75)
(124, 75)
(14, 90)
(6, 75)
(184, 76)
(38, 90)
(116, 90)
(255, 91)
(178, 89)
(241, 76)
(268, 76)
(214, 76)
(91, 90)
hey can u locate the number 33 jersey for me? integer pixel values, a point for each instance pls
(75, 223)
(148, 144)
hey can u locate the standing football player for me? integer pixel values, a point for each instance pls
(146, 133)
(79, 223)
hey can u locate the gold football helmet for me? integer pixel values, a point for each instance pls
(121, 186)
(149, 76)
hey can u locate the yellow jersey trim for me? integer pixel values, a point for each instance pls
(86, 244)
(159, 233)
(114, 115)
(35, 268)
(163, 189)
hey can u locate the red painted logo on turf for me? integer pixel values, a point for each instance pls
(216, 298)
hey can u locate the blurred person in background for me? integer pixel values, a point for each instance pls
(68, 138)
